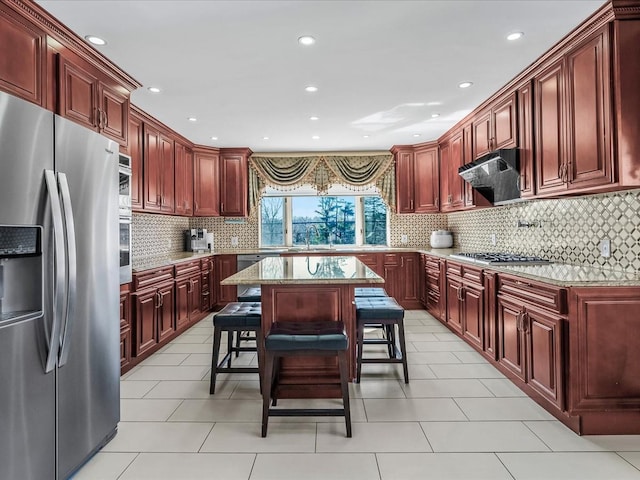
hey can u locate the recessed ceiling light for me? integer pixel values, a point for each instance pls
(265, 138)
(214, 138)
(435, 115)
(95, 40)
(311, 88)
(365, 136)
(314, 118)
(465, 84)
(192, 119)
(306, 40)
(154, 89)
(316, 137)
(416, 134)
(515, 36)
(433, 104)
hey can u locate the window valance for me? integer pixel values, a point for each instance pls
(356, 172)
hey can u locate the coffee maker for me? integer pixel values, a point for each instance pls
(195, 240)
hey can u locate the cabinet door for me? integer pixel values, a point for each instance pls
(125, 347)
(152, 169)
(146, 306)
(482, 134)
(184, 180)
(226, 266)
(589, 115)
(391, 274)
(206, 199)
(504, 124)
(234, 185)
(511, 346)
(473, 314)
(545, 354)
(490, 339)
(405, 182)
(196, 295)
(549, 127)
(408, 277)
(134, 149)
(427, 181)
(183, 307)
(372, 260)
(167, 174)
(23, 59)
(456, 183)
(77, 95)
(467, 157)
(454, 311)
(525, 144)
(113, 119)
(166, 314)
(445, 165)
(422, 280)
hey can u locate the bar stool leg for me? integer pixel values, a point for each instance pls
(238, 337)
(230, 334)
(342, 363)
(266, 391)
(359, 346)
(217, 334)
(403, 350)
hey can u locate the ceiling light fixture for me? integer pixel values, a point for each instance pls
(95, 40)
(435, 115)
(192, 119)
(314, 118)
(416, 134)
(365, 136)
(433, 104)
(465, 84)
(265, 138)
(154, 89)
(306, 40)
(214, 138)
(311, 88)
(316, 137)
(515, 36)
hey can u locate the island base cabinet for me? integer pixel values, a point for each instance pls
(604, 355)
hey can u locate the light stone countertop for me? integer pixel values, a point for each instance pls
(305, 270)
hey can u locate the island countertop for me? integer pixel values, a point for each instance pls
(305, 270)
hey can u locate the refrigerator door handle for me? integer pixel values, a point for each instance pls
(72, 274)
(53, 336)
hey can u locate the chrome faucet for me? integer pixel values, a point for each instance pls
(309, 228)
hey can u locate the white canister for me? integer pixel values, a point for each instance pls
(441, 239)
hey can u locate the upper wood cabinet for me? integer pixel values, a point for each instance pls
(452, 186)
(90, 98)
(23, 59)
(184, 179)
(234, 182)
(525, 140)
(495, 127)
(134, 150)
(159, 171)
(427, 174)
(405, 179)
(206, 193)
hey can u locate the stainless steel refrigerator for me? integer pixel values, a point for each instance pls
(59, 293)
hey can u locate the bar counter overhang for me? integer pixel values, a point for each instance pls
(308, 288)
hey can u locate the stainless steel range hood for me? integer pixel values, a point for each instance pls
(495, 176)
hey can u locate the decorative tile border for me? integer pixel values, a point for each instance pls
(154, 235)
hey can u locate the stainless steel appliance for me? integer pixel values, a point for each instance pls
(195, 240)
(496, 176)
(246, 260)
(500, 258)
(59, 318)
(124, 210)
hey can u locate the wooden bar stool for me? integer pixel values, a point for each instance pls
(235, 318)
(385, 311)
(286, 339)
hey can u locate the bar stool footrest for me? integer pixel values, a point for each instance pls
(306, 412)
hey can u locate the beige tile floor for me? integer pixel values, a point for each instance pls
(459, 418)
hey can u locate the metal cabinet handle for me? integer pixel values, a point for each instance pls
(222, 207)
(436, 201)
(196, 204)
(161, 299)
(525, 322)
(105, 122)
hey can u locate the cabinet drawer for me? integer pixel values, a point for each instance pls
(391, 259)
(149, 278)
(432, 263)
(472, 274)
(454, 269)
(188, 267)
(206, 265)
(540, 294)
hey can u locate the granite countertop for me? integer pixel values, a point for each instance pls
(305, 270)
(148, 263)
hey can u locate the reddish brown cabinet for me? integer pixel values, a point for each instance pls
(234, 182)
(465, 302)
(427, 175)
(405, 179)
(125, 326)
(525, 140)
(451, 184)
(206, 193)
(134, 150)
(183, 179)
(23, 59)
(435, 293)
(495, 127)
(159, 170)
(225, 267)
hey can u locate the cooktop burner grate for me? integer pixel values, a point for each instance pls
(500, 258)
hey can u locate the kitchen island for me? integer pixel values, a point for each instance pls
(308, 288)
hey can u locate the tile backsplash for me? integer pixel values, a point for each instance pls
(568, 230)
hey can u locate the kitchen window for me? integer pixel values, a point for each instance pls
(325, 220)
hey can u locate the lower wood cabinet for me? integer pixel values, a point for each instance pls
(125, 326)
(465, 302)
(154, 316)
(226, 265)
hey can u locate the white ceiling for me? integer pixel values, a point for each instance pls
(237, 66)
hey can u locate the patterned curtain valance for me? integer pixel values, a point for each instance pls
(356, 172)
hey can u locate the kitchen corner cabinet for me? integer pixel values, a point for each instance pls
(234, 182)
(134, 150)
(226, 265)
(23, 60)
(206, 192)
(417, 179)
(183, 180)
(159, 171)
(495, 127)
(88, 97)
(400, 272)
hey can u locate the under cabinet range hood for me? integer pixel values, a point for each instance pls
(495, 176)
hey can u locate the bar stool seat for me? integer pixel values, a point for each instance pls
(234, 318)
(369, 292)
(388, 330)
(385, 311)
(251, 294)
(321, 338)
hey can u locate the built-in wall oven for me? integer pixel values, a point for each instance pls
(124, 209)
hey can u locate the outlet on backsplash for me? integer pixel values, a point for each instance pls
(234, 241)
(493, 239)
(404, 239)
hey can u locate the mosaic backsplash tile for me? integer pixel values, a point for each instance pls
(224, 229)
(568, 230)
(416, 227)
(154, 235)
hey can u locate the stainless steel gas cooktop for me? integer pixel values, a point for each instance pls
(493, 258)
